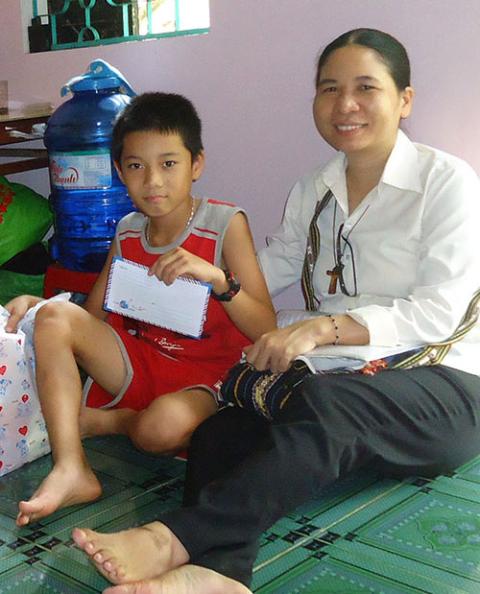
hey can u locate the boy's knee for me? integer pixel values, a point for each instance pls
(157, 434)
(53, 312)
(50, 314)
(55, 321)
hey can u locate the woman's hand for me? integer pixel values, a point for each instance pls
(276, 350)
(17, 308)
(180, 262)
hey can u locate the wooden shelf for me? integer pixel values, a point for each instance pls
(17, 127)
(23, 165)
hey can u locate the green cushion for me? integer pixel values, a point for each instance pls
(25, 217)
(13, 284)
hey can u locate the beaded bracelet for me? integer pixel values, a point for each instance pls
(335, 325)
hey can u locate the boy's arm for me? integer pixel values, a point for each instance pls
(251, 309)
(95, 299)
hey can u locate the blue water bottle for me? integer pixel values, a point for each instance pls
(87, 196)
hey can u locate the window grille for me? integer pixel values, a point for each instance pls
(65, 24)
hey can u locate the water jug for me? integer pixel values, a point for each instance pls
(87, 196)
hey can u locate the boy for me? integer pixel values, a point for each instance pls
(158, 153)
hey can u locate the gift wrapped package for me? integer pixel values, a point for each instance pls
(23, 435)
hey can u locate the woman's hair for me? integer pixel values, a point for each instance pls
(390, 50)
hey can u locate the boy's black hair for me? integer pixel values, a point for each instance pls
(167, 113)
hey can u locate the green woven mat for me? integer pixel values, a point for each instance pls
(363, 534)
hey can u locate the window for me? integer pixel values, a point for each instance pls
(64, 24)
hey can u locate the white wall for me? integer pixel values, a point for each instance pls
(251, 79)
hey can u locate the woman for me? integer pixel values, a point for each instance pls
(392, 256)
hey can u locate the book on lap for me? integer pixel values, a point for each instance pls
(180, 307)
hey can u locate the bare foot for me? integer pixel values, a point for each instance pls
(65, 485)
(132, 555)
(188, 579)
(94, 421)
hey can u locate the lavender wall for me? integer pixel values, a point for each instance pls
(251, 79)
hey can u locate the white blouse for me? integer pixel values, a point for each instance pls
(415, 247)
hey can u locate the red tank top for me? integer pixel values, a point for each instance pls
(221, 343)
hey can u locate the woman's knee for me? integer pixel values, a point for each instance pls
(231, 425)
(321, 397)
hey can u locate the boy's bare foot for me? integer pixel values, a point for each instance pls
(94, 421)
(188, 579)
(132, 555)
(65, 485)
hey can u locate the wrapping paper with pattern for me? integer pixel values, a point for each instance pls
(23, 435)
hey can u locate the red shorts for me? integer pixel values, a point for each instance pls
(150, 374)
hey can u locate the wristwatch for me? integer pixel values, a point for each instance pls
(233, 288)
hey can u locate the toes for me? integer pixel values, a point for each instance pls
(98, 558)
(83, 539)
(32, 504)
(22, 512)
(23, 517)
(80, 537)
(89, 548)
(30, 511)
(114, 571)
(118, 573)
(100, 567)
(107, 566)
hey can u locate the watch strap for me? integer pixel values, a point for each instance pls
(233, 288)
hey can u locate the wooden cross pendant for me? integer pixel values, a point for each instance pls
(334, 275)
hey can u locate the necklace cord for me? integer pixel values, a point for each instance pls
(190, 218)
(338, 252)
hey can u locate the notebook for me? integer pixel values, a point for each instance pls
(180, 307)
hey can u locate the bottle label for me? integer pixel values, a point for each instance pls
(81, 170)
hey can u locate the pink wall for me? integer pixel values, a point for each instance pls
(251, 80)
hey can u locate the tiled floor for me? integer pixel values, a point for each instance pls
(364, 535)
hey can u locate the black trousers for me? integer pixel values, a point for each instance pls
(244, 473)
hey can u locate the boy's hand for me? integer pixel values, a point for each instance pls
(180, 262)
(17, 308)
